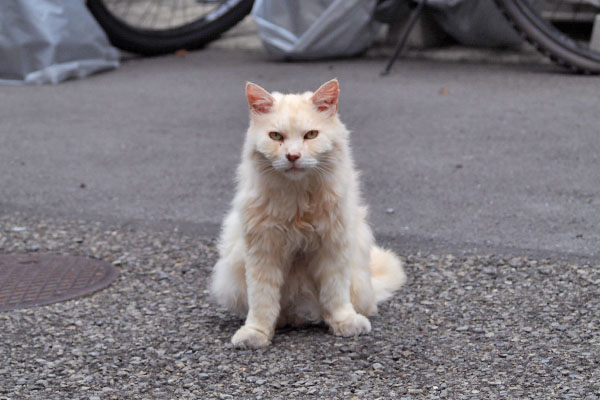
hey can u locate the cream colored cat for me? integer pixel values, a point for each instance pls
(296, 247)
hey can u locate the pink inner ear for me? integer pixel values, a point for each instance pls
(259, 99)
(260, 105)
(325, 104)
(326, 98)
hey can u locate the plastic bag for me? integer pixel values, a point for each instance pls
(48, 41)
(311, 29)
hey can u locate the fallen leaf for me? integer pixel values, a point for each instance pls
(181, 53)
(444, 91)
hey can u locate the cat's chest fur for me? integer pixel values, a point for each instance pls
(303, 215)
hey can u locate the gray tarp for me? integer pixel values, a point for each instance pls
(48, 41)
(474, 22)
(312, 29)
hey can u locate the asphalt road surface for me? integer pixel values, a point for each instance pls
(453, 156)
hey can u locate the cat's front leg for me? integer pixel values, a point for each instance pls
(264, 278)
(332, 274)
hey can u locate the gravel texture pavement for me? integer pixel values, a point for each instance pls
(469, 327)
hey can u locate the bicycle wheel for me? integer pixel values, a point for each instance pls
(153, 27)
(567, 31)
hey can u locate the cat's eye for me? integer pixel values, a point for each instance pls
(276, 136)
(311, 134)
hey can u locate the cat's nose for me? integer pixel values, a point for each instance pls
(292, 157)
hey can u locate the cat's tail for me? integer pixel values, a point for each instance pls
(387, 274)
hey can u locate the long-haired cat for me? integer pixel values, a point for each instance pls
(295, 247)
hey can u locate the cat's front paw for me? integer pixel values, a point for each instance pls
(249, 338)
(353, 325)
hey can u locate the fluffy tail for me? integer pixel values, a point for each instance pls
(387, 274)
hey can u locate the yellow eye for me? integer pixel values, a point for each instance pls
(276, 136)
(311, 134)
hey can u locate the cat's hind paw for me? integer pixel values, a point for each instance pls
(249, 338)
(352, 326)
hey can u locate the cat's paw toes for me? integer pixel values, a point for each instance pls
(249, 338)
(352, 326)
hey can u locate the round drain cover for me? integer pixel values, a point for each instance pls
(28, 280)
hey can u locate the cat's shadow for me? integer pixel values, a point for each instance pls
(303, 329)
(293, 334)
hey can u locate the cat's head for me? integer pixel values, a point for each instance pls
(295, 135)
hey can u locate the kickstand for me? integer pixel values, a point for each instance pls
(414, 15)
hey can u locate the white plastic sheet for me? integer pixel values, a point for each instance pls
(311, 29)
(48, 41)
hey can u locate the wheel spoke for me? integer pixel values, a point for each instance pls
(162, 14)
(152, 27)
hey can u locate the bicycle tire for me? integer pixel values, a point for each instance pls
(152, 42)
(548, 40)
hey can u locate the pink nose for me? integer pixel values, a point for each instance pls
(292, 157)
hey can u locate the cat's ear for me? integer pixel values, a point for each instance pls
(259, 99)
(326, 97)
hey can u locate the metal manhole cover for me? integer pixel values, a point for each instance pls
(28, 280)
